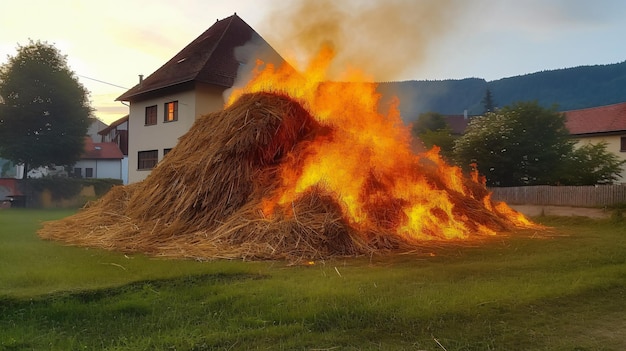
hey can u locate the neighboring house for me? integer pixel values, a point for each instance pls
(600, 124)
(117, 132)
(100, 160)
(590, 125)
(9, 170)
(164, 105)
(458, 123)
(95, 127)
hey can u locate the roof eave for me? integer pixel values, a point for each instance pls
(133, 96)
(605, 133)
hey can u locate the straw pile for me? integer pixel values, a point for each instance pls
(203, 199)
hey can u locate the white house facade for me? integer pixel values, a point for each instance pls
(164, 105)
(156, 124)
(600, 124)
(99, 160)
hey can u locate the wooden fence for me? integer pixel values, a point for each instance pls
(578, 196)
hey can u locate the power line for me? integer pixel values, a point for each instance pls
(103, 82)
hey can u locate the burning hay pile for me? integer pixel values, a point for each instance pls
(222, 193)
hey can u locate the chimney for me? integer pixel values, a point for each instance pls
(140, 79)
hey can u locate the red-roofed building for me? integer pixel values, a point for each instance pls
(99, 160)
(457, 123)
(600, 124)
(164, 105)
(117, 132)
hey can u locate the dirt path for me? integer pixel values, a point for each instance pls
(538, 210)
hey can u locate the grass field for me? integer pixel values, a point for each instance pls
(562, 288)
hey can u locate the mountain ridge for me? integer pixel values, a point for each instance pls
(566, 88)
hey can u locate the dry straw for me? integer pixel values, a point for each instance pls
(203, 200)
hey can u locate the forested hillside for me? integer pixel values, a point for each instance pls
(568, 89)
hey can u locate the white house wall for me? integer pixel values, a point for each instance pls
(125, 170)
(164, 135)
(613, 146)
(210, 99)
(101, 168)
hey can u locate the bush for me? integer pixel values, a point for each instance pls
(67, 188)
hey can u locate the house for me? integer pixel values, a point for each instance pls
(193, 83)
(458, 123)
(117, 132)
(600, 124)
(10, 170)
(99, 160)
(94, 128)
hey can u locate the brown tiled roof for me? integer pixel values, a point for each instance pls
(210, 59)
(101, 151)
(458, 123)
(597, 120)
(113, 125)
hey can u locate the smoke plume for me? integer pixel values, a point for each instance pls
(383, 39)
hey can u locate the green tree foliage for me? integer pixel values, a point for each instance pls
(520, 144)
(432, 129)
(428, 121)
(592, 164)
(45, 111)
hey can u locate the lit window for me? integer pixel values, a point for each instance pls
(147, 159)
(171, 111)
(151, 115)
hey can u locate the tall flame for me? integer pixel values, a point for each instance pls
(366, 162)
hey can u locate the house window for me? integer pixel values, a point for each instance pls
(147, 159)
(622, 144)
(171, 111)
(151, 115)
(88, 172)
(77, 172)
(166, 151)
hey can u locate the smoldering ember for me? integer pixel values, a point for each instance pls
(295, 167)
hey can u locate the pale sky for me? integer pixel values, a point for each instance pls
(114, 41)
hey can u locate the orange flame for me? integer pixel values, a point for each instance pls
(367, 161)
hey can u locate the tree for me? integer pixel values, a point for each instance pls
(44, 110)
(428, 121)
(592, 164)
(432, 129)
(521, 144)
(488, 104)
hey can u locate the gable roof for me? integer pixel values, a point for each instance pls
(113, 125)
(101, 151)
(597, 120)
(210, 58)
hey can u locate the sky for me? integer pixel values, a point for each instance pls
(109, 43)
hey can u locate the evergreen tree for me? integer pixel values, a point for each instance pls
(488, 104)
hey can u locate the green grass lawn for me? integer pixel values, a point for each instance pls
(558, 289)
